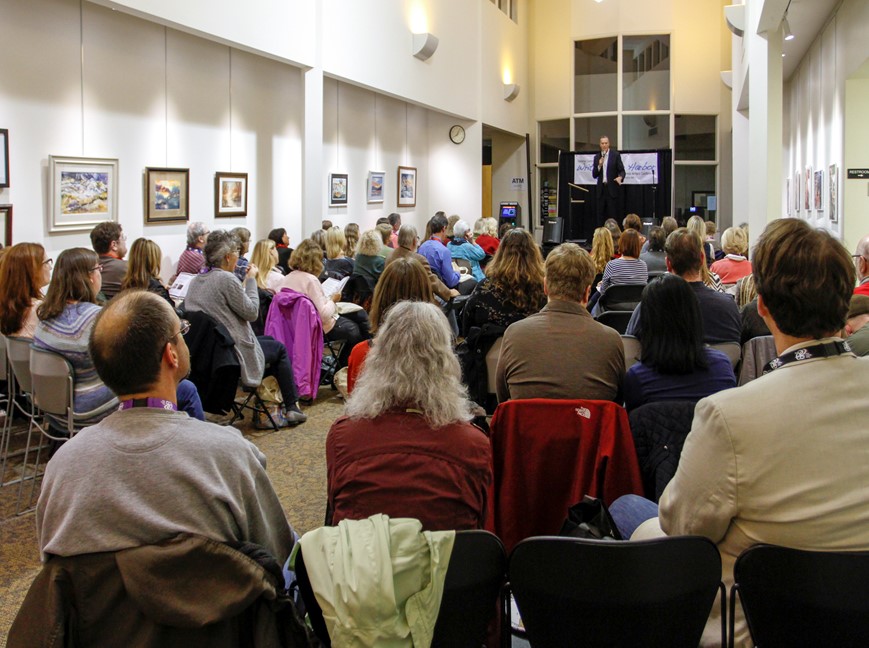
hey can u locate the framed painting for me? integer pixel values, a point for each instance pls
(4, 157)
(84, 192)
(406, 186)
(807, 190)
(797, 191)
(375, 186)
(337, 190)
(6, 225)
(819, 190)
(230, 194)
(833, 205)
(167, 195)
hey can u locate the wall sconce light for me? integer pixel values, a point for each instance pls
(789, 35)
(424, 45)
(734, 16)
(511, 91)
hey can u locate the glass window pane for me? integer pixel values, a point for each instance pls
(646, 73)
(694, 186)
(596, 82)
(589, 130)
(554, 137)
(645, 132)
(695, 137)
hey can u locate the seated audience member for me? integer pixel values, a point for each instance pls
(159, 472)
(394, 220)
(405, 446)
(26, 270)
(601, 253)
(721, 322)
(463, 247)
(655, 258)
(503, 229)
(337, 265)
(282, 245)
(368, 262)
(327, 225)
(746, 291)
(218, 293)
(513, 287)
(403, 280)
(66, 319)
(385, 230)
(697, 224)
(561, 352)
(351, 235)
(440, 259)
(634, 222)
(265, 258)
(486, 235)
(669, 225)
(408, 242)
(674, 364)
(192, 260)
(628, 269)
(735, 264)
(143, 269)
(307, 264)
(451, 223)
(319, 237)
(712, 235)
(855, 326)
(110, 243)
(616, 232)
(243, 236)
(780, 460)
(861, 261)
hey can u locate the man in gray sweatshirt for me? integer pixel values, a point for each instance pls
(148, 471)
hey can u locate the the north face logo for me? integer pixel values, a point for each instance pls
(583, 412)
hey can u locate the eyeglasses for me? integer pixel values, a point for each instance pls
(48, 262)
(98, 268)
(185, 326)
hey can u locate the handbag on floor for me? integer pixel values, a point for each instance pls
(590, 518)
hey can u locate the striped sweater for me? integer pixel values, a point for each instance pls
(623, 271)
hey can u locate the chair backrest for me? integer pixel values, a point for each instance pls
(622, 297)
(475, 579)
(463, 263)
(572, 591)
(654, 274)
(633, 349)
(3, 356)
(616, 319)
(492, 364)
(755, 354)
(803, 598)
(732, 350)
(547, 454)
(52, 376)
(659, 430)
(18, 355)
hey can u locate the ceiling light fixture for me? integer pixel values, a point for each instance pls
(789, 35)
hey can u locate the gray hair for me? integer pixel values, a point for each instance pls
(407, 236)
(460, 229)
(195, 230)
(370, 243)
(412, 364)
(219, 244)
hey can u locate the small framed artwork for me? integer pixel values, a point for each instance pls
(167, 195)
(375, 186)
(788, 197)
(84, 192)
(337, 190)
(406, 186)
(797, 191)
(230, 194)
(807, 190)
(834, 194)
(4, 157)
(6, 225)
(819, 190)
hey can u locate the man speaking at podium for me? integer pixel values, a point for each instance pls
(610, 173)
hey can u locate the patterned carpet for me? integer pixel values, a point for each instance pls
(296, 465)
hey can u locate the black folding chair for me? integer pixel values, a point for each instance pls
(802, 598)
(621, 297)
(616, 319)
(573, 591)
(474, 591)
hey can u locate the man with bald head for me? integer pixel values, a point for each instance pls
(148, 472)
(861, 261)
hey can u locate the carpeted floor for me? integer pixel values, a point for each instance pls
(296, 465)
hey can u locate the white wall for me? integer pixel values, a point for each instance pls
(148, 96)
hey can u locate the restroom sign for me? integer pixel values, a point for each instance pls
(517, 184)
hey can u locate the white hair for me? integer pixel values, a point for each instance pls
(460, 229)
(412, 364)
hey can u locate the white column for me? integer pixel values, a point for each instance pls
(313, 183)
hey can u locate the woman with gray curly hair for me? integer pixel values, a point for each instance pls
(405, 445)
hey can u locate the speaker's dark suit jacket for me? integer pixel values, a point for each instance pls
(614, 169)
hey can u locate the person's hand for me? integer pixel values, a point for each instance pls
(454, 292)
(469, 235)
(336, 297)
(252, 271)
(618, 179)
(600, 162)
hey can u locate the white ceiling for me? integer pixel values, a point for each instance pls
(806, 18)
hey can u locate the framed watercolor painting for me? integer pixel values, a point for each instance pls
(6, 225)
(84, 192)
(819, 190)
(375, 186)
(167, 195)
(797, 191)
(406, 186)
(337, 190)
(807, 190)
(4, 157)
(833, 204)
(230, 194)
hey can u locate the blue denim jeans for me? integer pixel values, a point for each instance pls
(630, 511)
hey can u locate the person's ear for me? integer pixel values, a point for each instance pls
(762, 310)
(170, 355)
(545, 287)
(669, 265)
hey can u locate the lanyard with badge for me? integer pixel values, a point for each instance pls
(156, 403)
(825, 350)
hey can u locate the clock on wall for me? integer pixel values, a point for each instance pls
(457, 134)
